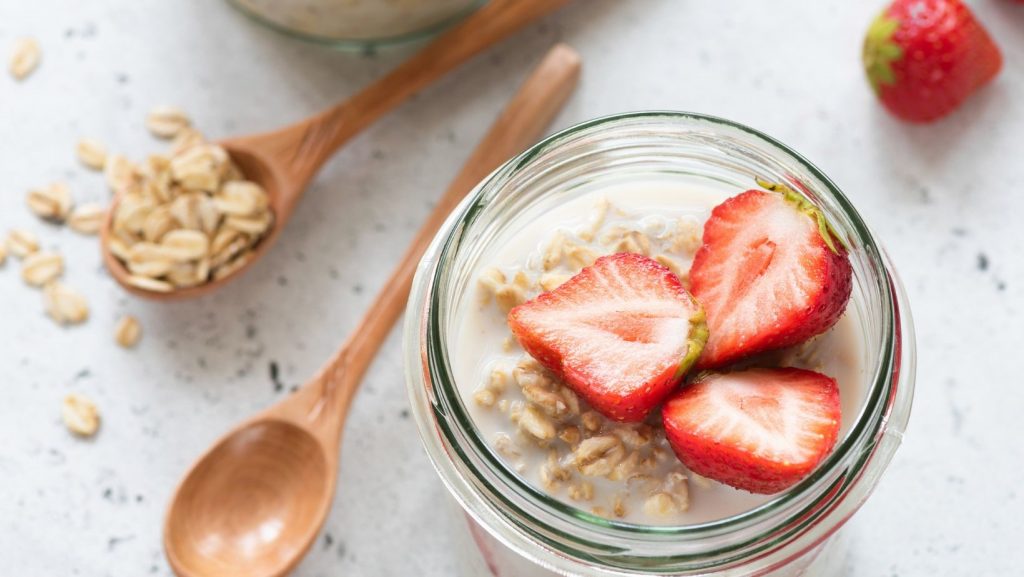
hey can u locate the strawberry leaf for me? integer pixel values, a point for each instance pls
(880, 51)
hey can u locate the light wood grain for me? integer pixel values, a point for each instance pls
(253, 504)
(284, 161)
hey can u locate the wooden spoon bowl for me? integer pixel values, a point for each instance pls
(252, 505)
(286, 160)
(238, 506)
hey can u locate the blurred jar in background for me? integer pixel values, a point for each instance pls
(357, 23)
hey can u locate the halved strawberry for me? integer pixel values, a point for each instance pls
(770, 274)
(760, 430)
(621, 333)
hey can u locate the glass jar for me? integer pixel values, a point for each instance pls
(357, 23)
(516, 529)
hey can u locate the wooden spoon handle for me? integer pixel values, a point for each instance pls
(521, 123)
(313, 141)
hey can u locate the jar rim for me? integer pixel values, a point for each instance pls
(821, 488)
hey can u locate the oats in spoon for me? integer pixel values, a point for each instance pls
(184, 219)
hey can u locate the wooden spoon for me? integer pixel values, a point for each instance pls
(253, 504)
(286, 160)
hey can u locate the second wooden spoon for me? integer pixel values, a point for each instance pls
(252, 505)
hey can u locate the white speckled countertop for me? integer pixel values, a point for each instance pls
(945, 199)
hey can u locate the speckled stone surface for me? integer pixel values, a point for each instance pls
(945, 199)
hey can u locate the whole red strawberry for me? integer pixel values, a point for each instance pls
(925, 57)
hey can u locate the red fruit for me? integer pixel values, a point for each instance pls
(770, 274)
(760, 430)
(925, 57)
(621, 333)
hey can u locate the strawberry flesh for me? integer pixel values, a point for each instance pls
(769, 274)
(622, 333)
(760, 430)
(924, 58)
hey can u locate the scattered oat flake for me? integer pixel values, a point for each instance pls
(186, 245)
(51, 203)
(597, 219)
(688, 236)
(660, 505)
(252, 225)
(619, 506)
(485, 398)
(551, 281)
(232, 267)
(119, 172)
(241, 198)
(186, 138)
(149, 260)
(40, 268)
(149, 284)
(91, 153)
(535, 423)
(3, 253)
(583, 491)
(199, 168)
(505, 445)
(80, 415)
(157, 224)
(185, 275)
(492, 279)
(128, 332)
(509, 296)
(167, 121)
(87, 218)
(64, 304)
(22, 243)
(25, 58)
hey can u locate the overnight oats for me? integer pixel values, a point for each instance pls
(599, 449)
(357, 22)
(657, 344)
